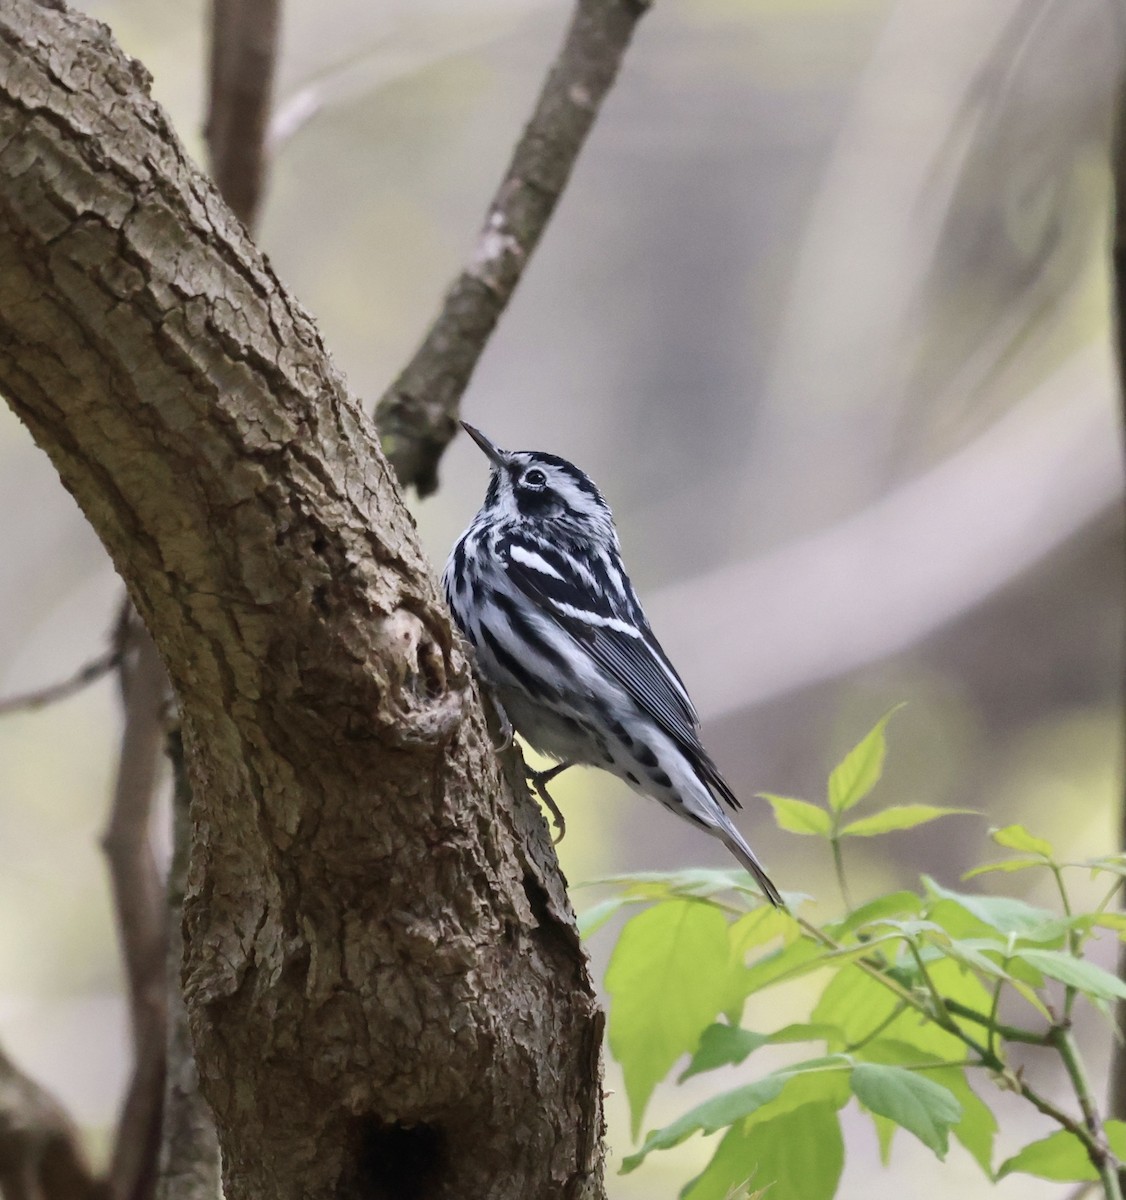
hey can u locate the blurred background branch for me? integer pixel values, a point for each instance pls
(83, 677)
(244, 48)
(417, 415)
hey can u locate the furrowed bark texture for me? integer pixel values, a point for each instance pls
(386, 990)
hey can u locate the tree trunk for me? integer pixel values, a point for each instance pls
(386, 990)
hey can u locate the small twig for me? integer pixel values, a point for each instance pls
(417, 415)
(83, 677)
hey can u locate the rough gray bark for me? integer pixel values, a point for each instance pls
(386, 990)
(188, 1168)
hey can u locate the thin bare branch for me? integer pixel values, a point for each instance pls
(83, 677)
(417, 415)
(244, 40)
(138, 895)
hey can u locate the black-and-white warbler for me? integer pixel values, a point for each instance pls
(537, 585)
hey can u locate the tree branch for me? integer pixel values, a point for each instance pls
(138, 896)
(83, 677)
(244, 40)
(380, 953)
(417, 415)
(189, 1151)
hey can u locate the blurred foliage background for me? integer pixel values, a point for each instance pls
(825, 313)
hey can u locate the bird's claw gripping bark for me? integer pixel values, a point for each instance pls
(539, 781)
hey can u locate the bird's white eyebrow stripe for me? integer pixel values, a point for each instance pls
(530, 559)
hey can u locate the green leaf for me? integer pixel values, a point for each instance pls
(1008, 864)
(668, 977)
(885, 1135)
(716, 1113)
(803, 1031)
(895, 904)
(1075, 972)
(594, 918)
(722, 1046)
(860, 769)
(795, 960)
(899, 816)
(1061, 1156)
(921, 1106)
(794, 1155)
(974, 953)
(799, 816)
(1001, 913)
(1016, 837)
(978, 1126)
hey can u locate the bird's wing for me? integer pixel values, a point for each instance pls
(620, 642)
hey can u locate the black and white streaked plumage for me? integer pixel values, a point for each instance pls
(537, 585)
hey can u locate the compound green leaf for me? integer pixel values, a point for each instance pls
(795, 1155)
(799, 816)
(669, 975)
(909, 1098)
(978, 1126)
(1078, 973)
(1061, 1156)
(899, 816)
(595, 917)
(1006, 865)
(860, 769)
(716, 1113)
(1002, 913)
(722, 1046)
(1016, 837)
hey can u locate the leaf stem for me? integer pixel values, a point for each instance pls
(838, 866)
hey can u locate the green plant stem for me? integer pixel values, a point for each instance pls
(838, 866)
(1073, 941)
(1096, 1147)
(936, 995)
(1011, 1033)
(1105, 1162)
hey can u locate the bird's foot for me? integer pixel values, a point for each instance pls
(539, 781)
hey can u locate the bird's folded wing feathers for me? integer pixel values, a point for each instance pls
(623, 646)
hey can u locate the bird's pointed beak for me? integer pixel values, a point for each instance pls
(495, 454)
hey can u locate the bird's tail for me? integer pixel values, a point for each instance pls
(733, 840)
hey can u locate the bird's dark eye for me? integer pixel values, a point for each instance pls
(534, 478)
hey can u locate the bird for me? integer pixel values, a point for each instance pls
(537, 587)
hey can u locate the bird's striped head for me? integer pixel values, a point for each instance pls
(529, 487)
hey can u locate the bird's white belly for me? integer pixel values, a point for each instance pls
(552, 733)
